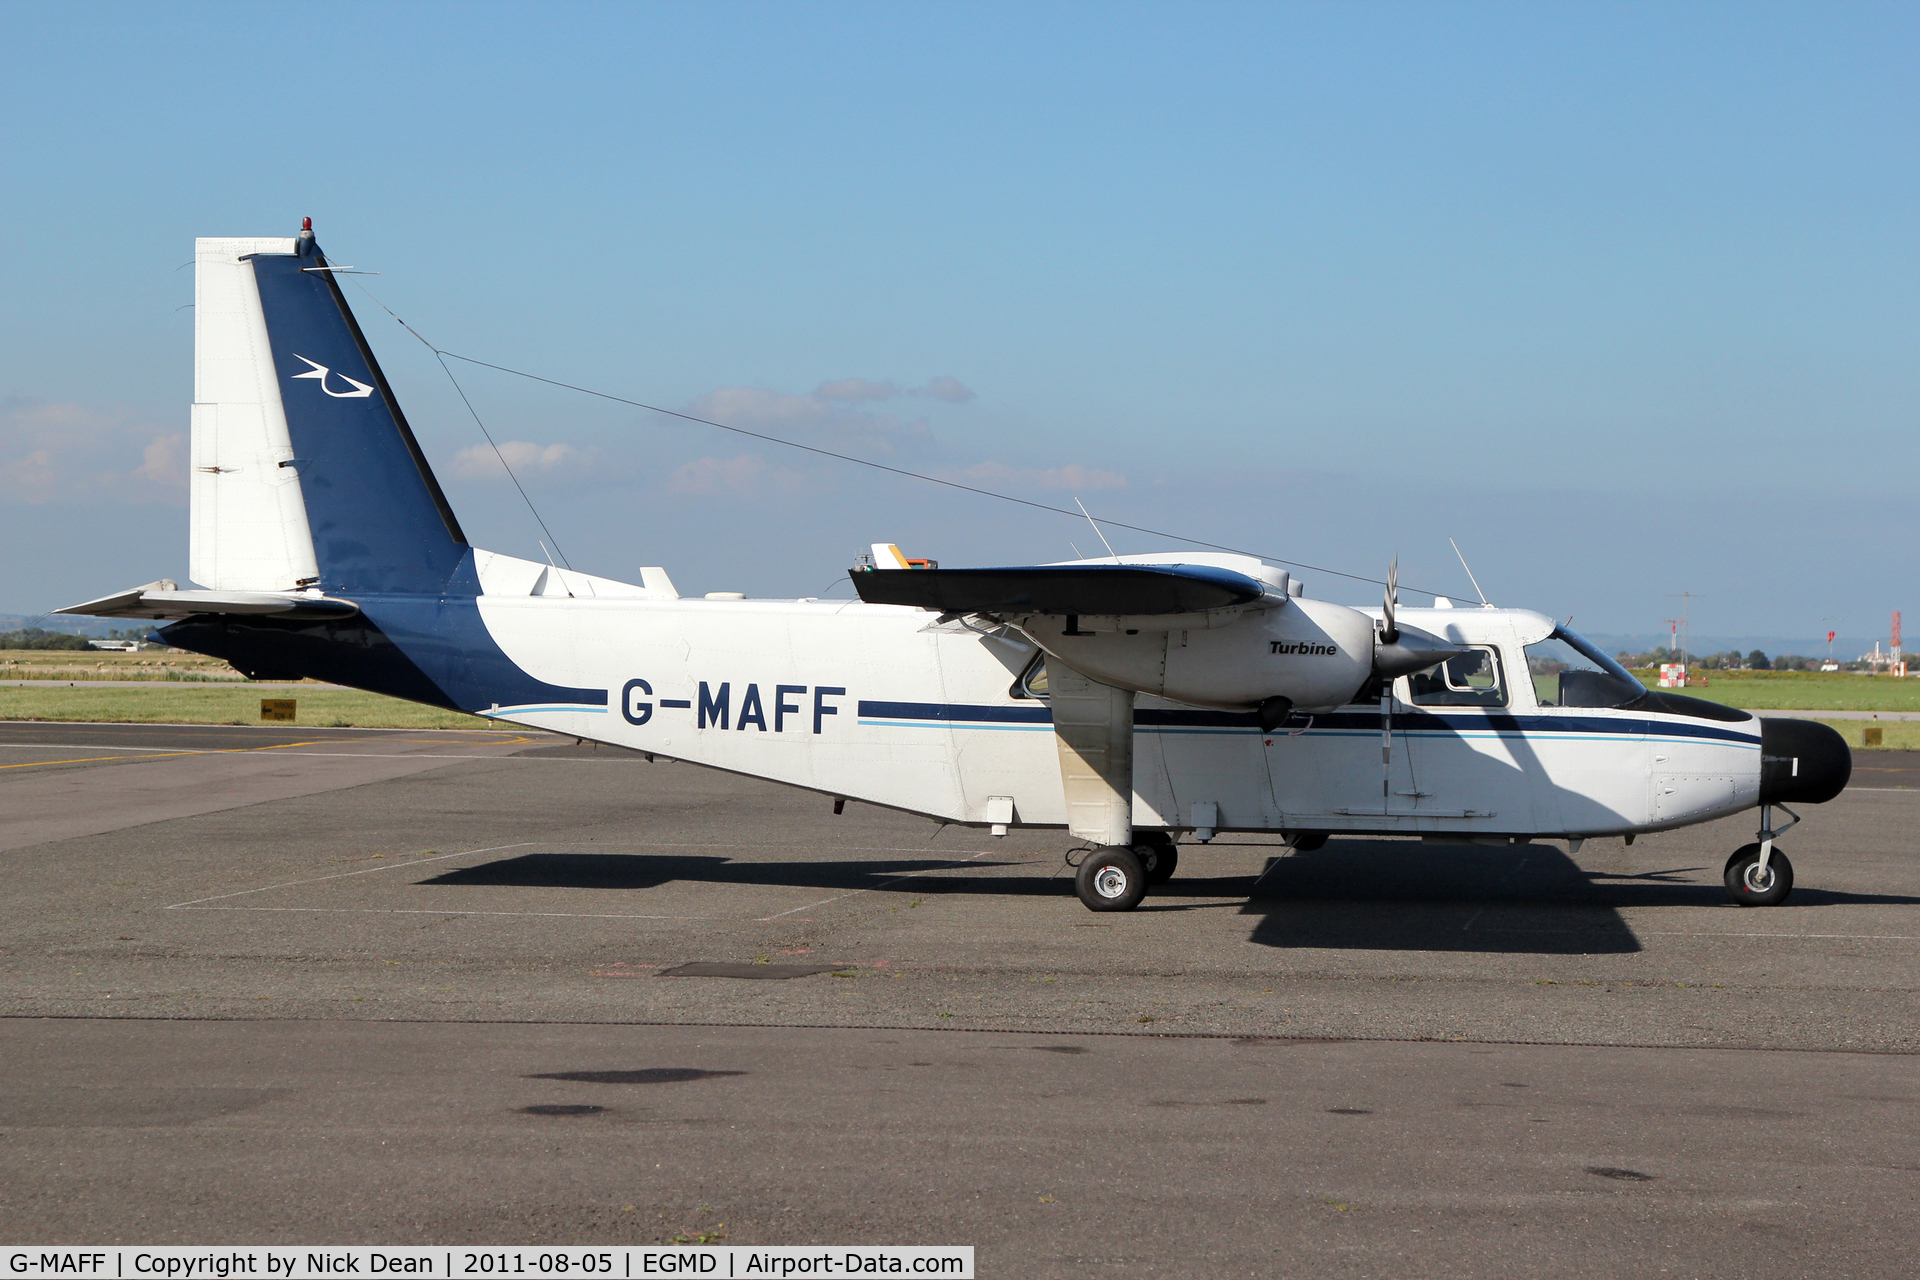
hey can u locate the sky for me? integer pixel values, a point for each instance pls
(1620, 297)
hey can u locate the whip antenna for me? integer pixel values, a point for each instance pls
(1470, 578)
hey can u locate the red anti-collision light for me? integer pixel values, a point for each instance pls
(306, 224)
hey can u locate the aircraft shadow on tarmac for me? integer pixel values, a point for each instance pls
(650, 871)
(1404, 895)
(1393, 895)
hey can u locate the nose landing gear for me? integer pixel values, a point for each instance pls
(1759, 875)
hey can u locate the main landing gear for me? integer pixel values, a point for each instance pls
(1111, 878)
(1158, 853)
(1759, 875)
(1116, 878)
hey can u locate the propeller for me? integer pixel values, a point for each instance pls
(1389, 631)
(1399, 651)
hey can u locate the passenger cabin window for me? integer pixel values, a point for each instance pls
(1569, 671)
(1473, 679)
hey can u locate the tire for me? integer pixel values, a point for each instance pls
(1111, 879)
(1745, 860)
(1160, 858)
(1308, 841)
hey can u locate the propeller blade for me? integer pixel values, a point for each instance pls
(1390, 631)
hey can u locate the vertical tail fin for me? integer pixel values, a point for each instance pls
(287, 388)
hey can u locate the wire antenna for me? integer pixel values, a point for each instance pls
(1470, 578)
(444, 355)
(439, 356)
(1096, 529)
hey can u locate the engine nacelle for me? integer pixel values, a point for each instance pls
(1311, 652)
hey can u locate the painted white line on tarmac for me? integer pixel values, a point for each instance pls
(873, 888)
(326, 755)
(1847, 937)
(203, 725)
(364, 871)
(194, 903)
(688, 844)
(330, 755)
(422, 911)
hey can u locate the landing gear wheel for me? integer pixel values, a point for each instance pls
(1308, 841)
(1748, 887)
(1157, 854)
(1111, 879)
(1159, 859)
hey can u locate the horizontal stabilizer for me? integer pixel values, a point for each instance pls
(163, 599)
(1088, 589)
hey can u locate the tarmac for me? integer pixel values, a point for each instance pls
(321, 985)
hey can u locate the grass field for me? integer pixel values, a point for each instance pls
(104, 664)
(1802, 690)
(212, 704)
(1895, 735)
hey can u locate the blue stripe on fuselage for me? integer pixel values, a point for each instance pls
(1422, 723)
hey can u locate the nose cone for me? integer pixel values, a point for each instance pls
(1802, 761)
(1413, 650)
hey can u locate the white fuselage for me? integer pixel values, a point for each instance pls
(883, 704)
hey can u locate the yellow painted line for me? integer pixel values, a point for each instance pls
(214, 751)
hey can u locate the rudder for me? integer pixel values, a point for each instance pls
(378, 519)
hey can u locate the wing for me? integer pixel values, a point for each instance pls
(1090, 589)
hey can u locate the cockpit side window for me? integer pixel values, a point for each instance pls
(1569, 671)
(1472, 679)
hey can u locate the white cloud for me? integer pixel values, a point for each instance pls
(833, 418)
(1072, 477)
(164, 461)
(952, 390)
(748, 473)
(818, 420)
(479, 462)
(66, 452)
(856, 389)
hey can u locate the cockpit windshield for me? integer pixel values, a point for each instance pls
(1568, 671)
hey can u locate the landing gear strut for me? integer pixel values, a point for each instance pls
(1759, 875)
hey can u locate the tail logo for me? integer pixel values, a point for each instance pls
(319, 372)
